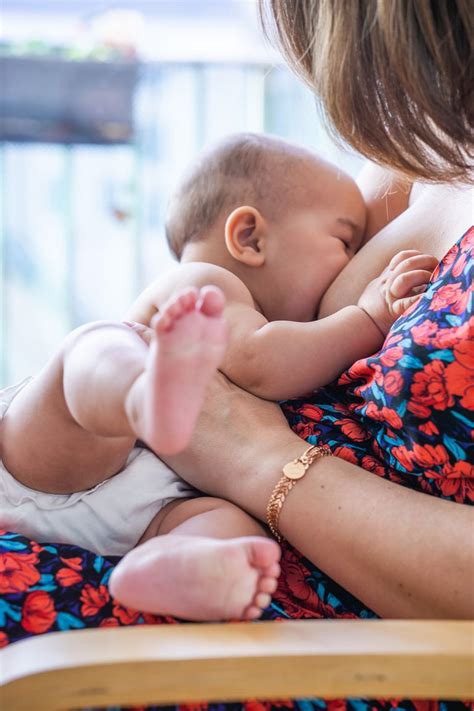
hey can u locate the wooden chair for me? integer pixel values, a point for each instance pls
(166, 664)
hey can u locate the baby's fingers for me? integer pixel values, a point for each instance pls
(412, 262)
(403, 284)
(402, 256)
(399, 306)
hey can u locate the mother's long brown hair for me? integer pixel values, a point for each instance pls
(395, 77)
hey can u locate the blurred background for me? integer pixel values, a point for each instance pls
(102, 106)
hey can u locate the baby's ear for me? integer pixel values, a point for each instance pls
(245, 236)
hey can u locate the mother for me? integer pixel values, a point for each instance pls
(395, 78)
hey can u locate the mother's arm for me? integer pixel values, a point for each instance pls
(403, 553)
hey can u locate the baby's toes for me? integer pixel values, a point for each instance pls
(173, 310)
(182, 303)
(258, 604)
(252, 612)
(161, 322)
(188, 299)
(211, 301)
(267, 585)
(271, 571)
(261, 600)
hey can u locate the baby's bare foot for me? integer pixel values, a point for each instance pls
(188, 345)
(199, 579)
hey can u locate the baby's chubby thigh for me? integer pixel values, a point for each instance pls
(43, 447)
(108, 519)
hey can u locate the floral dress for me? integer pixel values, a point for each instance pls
(405, 414)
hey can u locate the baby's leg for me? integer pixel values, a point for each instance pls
(76, 422)
(214, 563)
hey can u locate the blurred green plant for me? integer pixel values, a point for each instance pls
(39, 48)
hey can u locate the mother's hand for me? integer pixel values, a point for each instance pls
(237, 439)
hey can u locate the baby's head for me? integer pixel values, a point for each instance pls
(280, 218)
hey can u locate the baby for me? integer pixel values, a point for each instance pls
(269, 226)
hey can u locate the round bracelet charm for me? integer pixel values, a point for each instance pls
(294, 470)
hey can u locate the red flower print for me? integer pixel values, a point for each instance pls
(391, 356)
(459, 266)
(449, 337)
(3, 639)
(404, 456)
(109, 622)
(464, 351)
(150, 619)
(370, 464)
(341, 407)
(455, 480)
(257, 706)
(311, 411)
(358, 370)
(386, 415)
(300, 590)
(460, 377)
(429, 390)
(93, 599)
(428, 455)
(451, 256)
(336, 705)
(38, 613)
(18, 572)
(67, 577)
(461, 305)
(352, 430)
(377, 450)
(467, 241)
(74, 563)
(126, 616)
(424, 333)
(393, 340)
(391, 417)
(460, 469)
(393, 382)
(305, 429)
(461, 489)
(446, 296)
(417, 409)
(376, 376)
(428, 428)
(346, 453)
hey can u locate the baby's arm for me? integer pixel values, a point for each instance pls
(284, 359)
(275, 360)
(278, 360)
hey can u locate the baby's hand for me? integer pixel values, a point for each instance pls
(397, 288)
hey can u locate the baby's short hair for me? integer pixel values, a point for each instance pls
(240, 170)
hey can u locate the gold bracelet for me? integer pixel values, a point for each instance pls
(292, 472)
